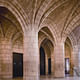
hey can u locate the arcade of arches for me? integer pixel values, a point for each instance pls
(39, 38)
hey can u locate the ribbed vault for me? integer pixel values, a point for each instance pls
(10, 29)
(45, 33)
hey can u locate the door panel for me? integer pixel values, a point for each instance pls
(17, 65)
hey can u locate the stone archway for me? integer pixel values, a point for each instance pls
(46, 41)
(48, 56)
(10, 32)
(68, 58)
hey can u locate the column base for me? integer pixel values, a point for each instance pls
(31, 78)
(59, 75)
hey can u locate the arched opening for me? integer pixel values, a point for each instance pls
(75, 37)
(45, 58)
(68, 58)
(45, 44)
(11, 37)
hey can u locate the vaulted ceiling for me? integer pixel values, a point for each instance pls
(60, 16)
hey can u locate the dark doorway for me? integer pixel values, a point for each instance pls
(17, 65)
(49, 66)
(67, 66)
(42, 61)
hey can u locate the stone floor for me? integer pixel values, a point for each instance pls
(50, 78)
(66, 78)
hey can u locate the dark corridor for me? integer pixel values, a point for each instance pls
(42, 61)
(49, 66)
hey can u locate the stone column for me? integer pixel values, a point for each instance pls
(59, 68)
(31, 56)
(75, 55)
(5, 59)
(46, 66)
(79, 60)
(52, 63)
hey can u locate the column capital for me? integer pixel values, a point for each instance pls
(31, 32)
(58, 42)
